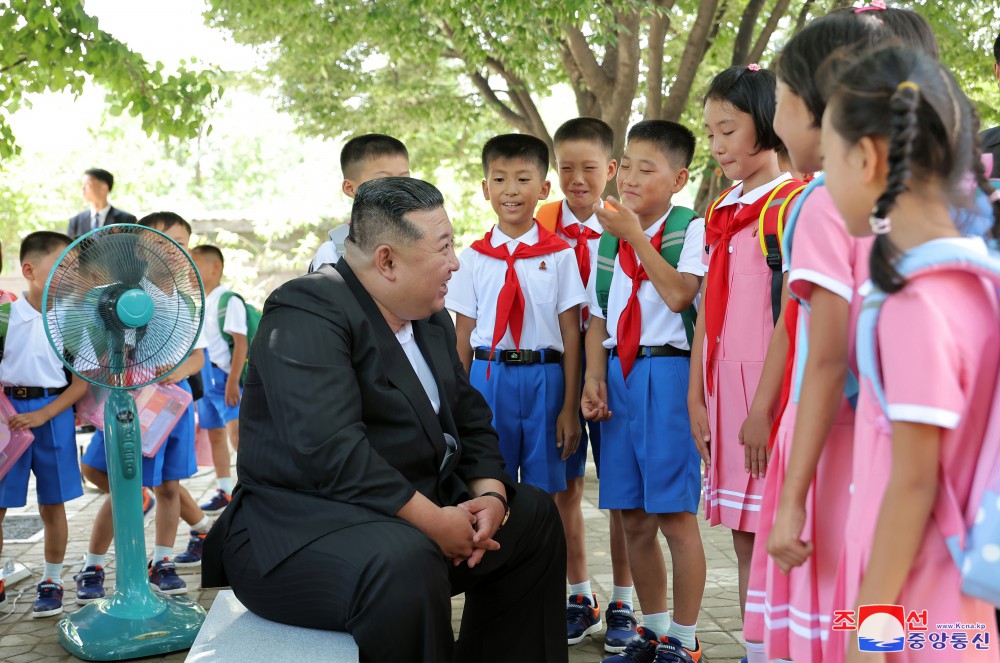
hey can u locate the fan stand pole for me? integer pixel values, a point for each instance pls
(133, 622)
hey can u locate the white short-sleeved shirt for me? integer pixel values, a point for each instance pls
(28, 358)
(569, 219)
(235, 323)
(551, 284)
(737, 197)
(660, 325)
(329, 252)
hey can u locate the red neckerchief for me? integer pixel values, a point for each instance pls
(510, 302)
(630, 322)
(580, 233)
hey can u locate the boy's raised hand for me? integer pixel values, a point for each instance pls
(620, 221)
(594, 402)
(568, 432)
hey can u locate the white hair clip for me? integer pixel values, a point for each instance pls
(880, 226)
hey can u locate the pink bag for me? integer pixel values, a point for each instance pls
(12, 443)
(203, 448)
(160, 407)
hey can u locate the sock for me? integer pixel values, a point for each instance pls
(755, 652)
(683, 633)
(93, 559)
(53, 572)
(658, 622)
(159, 552)
(582, 588)
(225, 484)
(623, 594)
(203, 525)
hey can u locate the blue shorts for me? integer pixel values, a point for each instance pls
(525, 401)
(212, 409)
(51, 457)
(649, 460)
(174, 460)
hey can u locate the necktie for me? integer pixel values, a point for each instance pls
(719, 230)
(630, 322)
(510, 302)
(96, 221)
(580, 234)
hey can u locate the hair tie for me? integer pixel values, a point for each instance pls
(753, 66)
(909, 84)
(875, 6)
(879, 225)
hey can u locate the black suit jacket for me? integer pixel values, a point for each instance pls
(80, 224)
(991, 145)
(335, 427)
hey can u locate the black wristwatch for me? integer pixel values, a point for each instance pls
(506, 507)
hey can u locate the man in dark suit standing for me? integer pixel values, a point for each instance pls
(97, 184)
(371, 485)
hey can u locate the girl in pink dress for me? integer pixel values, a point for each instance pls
(735, 318)
(790, 599)
(898, 139)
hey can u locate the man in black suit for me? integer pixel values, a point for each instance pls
(97, 184)
(371, 485)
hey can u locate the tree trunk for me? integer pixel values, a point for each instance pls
(744, 37)
(694, 50)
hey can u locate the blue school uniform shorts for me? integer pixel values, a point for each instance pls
(525, 401)
(174, 460)
(648, 459)
(212, 409)
(51, 457)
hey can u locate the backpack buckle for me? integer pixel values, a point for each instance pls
(773, 252)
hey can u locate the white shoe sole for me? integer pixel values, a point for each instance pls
(179, 590)
(613, 650)
(186, 565)
(47, 613)
(86, 601)
(596, 628)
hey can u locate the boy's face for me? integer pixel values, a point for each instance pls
(36, 268)
(647, 180)
(393, 165)
(584, 170)
(208, 267)
(514, 187)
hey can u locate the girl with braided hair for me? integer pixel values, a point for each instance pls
(898, 140)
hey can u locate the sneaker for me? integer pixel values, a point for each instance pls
(640, 649)
(670, 650)
(148, 501)
(218, 502)
(49, 601)
(583, 617)
(163, 577)
(622, 626)
(191, 556)
(89, 584)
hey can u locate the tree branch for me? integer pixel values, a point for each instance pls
(694, 50)
(483, 85)
(14, 64)
(659, 23)
(586, 102)
(764, 38)
(592, 73)
(744, 36)
(626, 78)
(803, 16)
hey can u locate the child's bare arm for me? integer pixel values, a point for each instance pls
(464, 326)
(697, 412)
(193, 364)
(77, 388)
(568, 423)
(236, 370)
(594, 402)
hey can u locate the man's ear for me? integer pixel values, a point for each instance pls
(349, 188)
(385, 262)
(681, 179)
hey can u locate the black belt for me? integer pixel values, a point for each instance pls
(656, 351)
(25, 393)
(521, 356)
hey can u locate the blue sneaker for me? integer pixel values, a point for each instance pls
(670, 650)
(148, 501)
(215, 506)
(49, 601)
(89, 585)
(622, 626)
(583, 617)
(163, 577)
(191, 556)
(640, 649)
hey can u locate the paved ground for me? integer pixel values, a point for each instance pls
(23, 639)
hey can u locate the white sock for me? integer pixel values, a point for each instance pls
(683, 633)
(623, 594)
(658, 622)
(203, 525)
(53, 572)
(582, 588)
(161, 552)
(755, 652)
(225, 484)
(93, 559)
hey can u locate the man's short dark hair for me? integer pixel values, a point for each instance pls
(588, 129)
(42, 243)
(101, 175)
(165, 221)
(209, 251)
(380, 208)
(516, 146)
(369, 146)
(674, 140)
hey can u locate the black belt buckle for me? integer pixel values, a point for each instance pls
(21, 393)
(518, 356)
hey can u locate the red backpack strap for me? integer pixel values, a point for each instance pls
(549, 215)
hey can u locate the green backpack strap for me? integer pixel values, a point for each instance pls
(674, 230)
(4, 324)
(221, 314)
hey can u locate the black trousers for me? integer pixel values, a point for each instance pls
(390, 587)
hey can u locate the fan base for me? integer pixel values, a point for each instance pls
(93, 634)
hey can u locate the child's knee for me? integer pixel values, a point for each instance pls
(94, 476)
(638, 524)
(679, 527)
(168, 490)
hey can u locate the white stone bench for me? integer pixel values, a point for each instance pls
(233, 633)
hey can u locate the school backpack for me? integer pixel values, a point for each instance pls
(548, 215)
(672, 244)
(972, 534)
(770, 230)
(253, 320)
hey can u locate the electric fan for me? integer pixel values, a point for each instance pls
(123, 307)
